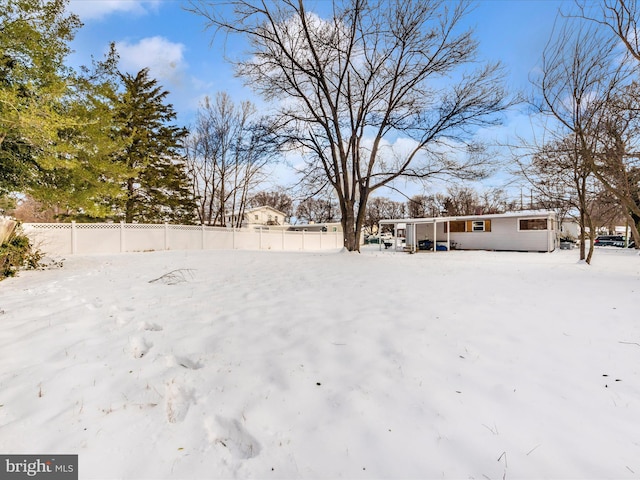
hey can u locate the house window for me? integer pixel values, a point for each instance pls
(460, 226)
(478, 226)
(532, 224)
(256, 217)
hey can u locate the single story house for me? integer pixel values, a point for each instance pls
(526, 231)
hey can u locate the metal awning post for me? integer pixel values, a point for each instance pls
(395, 237)
(551, 243)
(435, 236)
(448, 236)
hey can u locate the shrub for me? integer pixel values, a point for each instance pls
(17, 252)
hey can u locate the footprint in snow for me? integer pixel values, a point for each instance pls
(121, 319)
(150, 327)
(230, 434)
(139, 346)
(184, 362)
(178, 400)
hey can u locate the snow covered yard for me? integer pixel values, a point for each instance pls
(301, 365)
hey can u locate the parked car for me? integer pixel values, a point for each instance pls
(428, 245)
(609, 241)
(369, 239)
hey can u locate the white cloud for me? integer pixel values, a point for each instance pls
(164, 59)
(98, 9)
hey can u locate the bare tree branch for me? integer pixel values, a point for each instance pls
(367, 72)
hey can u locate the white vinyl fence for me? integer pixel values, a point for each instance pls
(88, 238)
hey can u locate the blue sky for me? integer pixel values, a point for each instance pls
(177, 48)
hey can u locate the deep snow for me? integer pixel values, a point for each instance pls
(325, 365)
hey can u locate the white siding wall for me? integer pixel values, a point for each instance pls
(504, 235)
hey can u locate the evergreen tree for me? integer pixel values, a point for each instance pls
(84, 180)
(34, 37)
(157, 188)
(168, 192)
(56, 125)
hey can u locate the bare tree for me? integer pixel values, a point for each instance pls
(616, 163)
(617, 169)
(418, 206)
(369, 72)
(317, 210)
(227, 152)
(494, 200)
(421, 206)
(28, 209)
(465, 200)
(620, 17)
(201, 151)
(582, 71)
(564, 182)
(607, 213)
(462, 200)
(380, 208)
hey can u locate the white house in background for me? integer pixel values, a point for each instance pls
(533, 231)
(569, 228)
(258, 217)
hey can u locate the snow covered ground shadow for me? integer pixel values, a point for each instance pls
(326, 365)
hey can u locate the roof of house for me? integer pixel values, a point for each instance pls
(520, 214)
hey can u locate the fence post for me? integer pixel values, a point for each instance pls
(302, 239)
(202, 237)
(260, 246)
(320, 239)
(166, 235)
(122, 245)
(74, 238)
(233, 238)
(283, 236)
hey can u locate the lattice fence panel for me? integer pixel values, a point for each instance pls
(50, 237)
(89, 238)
